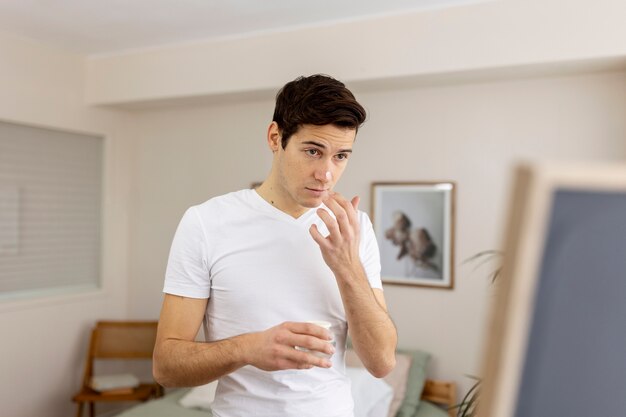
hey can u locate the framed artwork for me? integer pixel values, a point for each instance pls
(414, 226)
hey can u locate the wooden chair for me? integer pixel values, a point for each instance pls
(118, 340)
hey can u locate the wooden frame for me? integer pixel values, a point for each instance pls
(414, 226)
(512, 347)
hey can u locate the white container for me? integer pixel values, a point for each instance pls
(326, 325)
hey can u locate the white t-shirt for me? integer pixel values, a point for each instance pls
(260, 267)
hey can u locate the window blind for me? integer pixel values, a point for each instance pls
(50, 210)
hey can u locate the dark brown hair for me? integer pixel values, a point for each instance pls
(316, 100)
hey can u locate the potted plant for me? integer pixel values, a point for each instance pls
(468, 405)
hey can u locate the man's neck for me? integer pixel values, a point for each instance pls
(277, 198)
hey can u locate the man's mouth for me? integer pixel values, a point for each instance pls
(317, 191)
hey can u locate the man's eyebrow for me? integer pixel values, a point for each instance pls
(321, 145)
(310, 142)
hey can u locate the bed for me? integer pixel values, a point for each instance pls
(412, 394)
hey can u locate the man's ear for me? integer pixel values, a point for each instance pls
(274, 137)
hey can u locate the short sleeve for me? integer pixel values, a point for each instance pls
(187, 272)
(370, 255)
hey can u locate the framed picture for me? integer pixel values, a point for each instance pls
(414, 226)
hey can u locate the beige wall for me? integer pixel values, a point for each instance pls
(44, 340)
(469, 133)
(504, 35)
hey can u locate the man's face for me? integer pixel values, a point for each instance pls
(311, 164)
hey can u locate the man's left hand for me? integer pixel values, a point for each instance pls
(340, 249)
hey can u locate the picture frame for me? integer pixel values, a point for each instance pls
(414, 225)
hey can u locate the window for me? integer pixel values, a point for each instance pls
(50, 211)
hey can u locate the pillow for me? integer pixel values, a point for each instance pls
(426, 409)
(415, 383)
(397, 378)
(372, 396)
(200, 397)
(407, 379)
(114, 382)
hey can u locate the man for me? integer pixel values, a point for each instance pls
(256, 265)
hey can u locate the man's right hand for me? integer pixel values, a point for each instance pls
(180, 361)
(274, 349)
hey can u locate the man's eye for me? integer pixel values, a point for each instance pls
(312, 152)
(342, 156)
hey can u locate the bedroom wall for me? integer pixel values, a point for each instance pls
(485, 36)
(44, 340)
(470, 133)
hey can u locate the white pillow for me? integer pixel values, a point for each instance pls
(112, 382)
(372, 396)
(200, 397)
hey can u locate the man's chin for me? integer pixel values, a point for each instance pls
(312, 201)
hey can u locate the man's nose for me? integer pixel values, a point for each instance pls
(323, 174)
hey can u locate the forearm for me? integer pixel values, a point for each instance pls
(182, 363)
(373, 333)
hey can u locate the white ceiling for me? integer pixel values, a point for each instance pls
(107, 26)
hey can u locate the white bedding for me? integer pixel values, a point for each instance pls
(372, 396)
